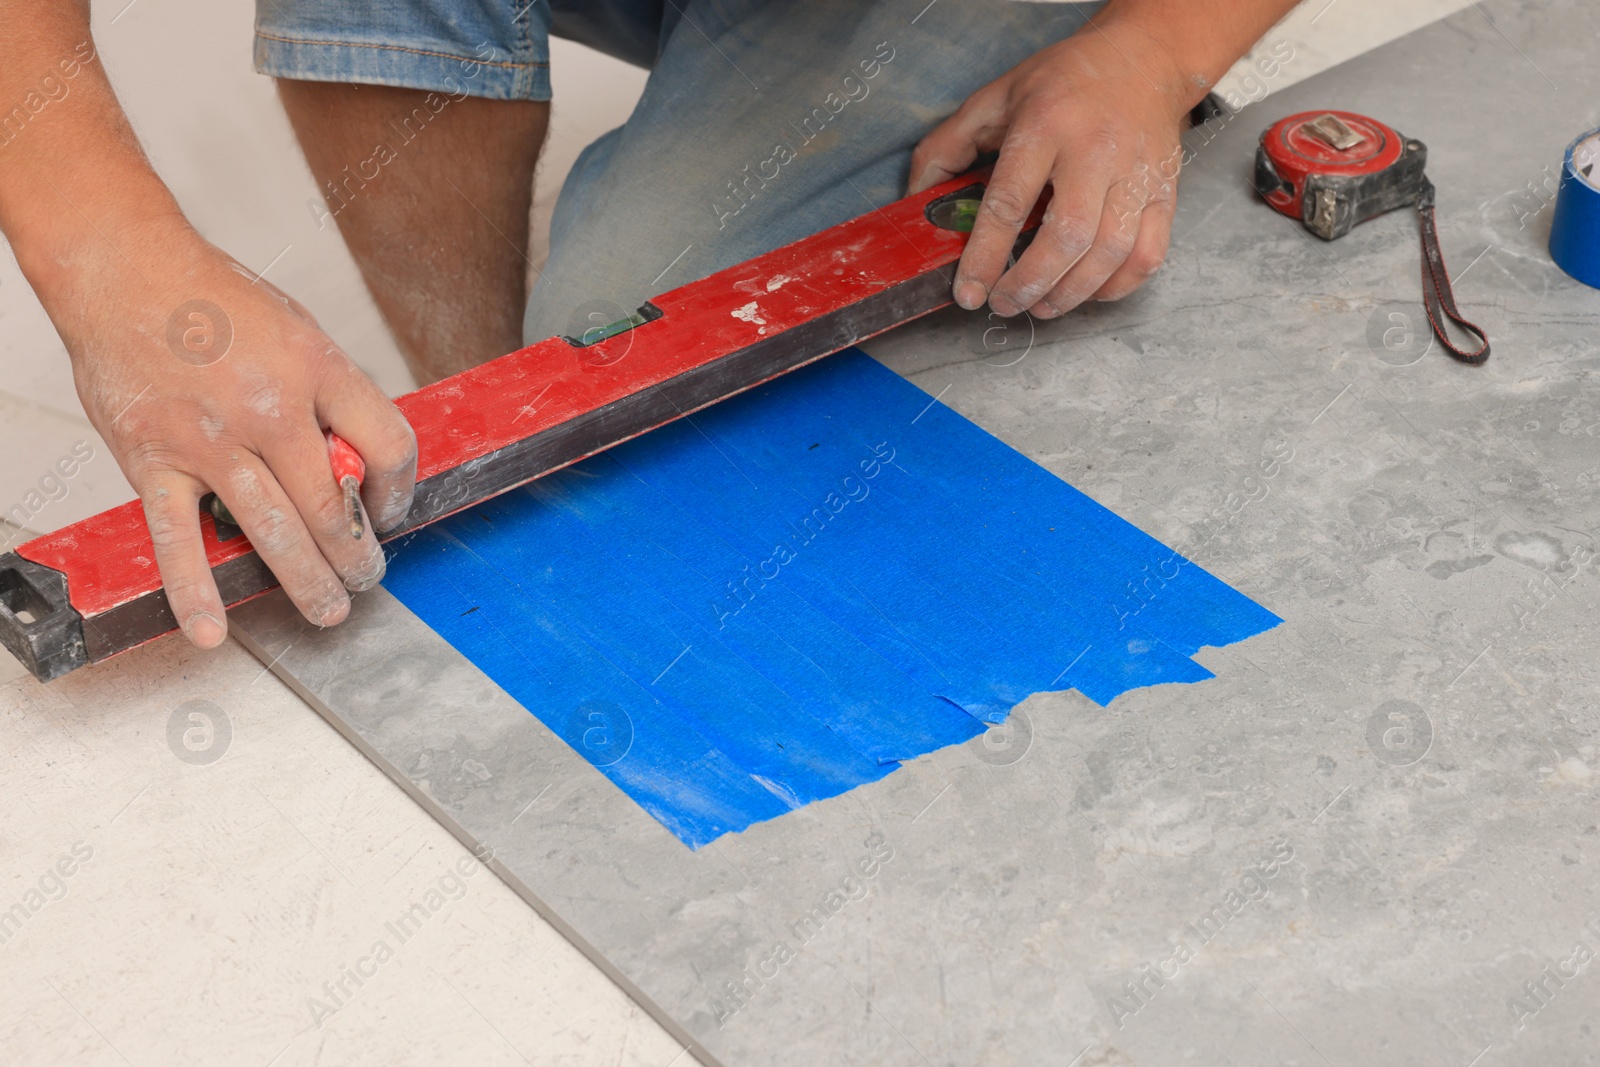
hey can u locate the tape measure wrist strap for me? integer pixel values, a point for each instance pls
(1438, 299)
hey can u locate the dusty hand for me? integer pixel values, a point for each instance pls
(1096, 118)
(202, 377)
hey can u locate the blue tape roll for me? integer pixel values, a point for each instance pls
(1575, 229)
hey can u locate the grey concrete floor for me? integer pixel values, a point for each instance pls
(1369, 839)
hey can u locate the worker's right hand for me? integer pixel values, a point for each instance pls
(202, 377)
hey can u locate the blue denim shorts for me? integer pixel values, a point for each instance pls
(496, 49)
(762, 121)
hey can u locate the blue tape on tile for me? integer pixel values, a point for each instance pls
(781, 598)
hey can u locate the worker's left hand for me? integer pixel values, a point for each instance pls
(1096, 118)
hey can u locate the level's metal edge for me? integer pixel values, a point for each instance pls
(145, 618)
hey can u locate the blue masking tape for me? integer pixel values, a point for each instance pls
(686, 562)
(1027, 524)
(1575, 227)
(636, 739)
(780, 598)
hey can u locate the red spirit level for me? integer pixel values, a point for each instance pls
(92, 590)
(1333, 169)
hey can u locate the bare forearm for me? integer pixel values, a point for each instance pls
(74, 184)
(1200, 39)
(200, 377)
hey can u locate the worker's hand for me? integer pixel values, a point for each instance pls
(203, 377)
(1096, 118)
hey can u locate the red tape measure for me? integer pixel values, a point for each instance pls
(1334, 169)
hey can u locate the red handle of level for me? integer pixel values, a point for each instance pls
(345, 460)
